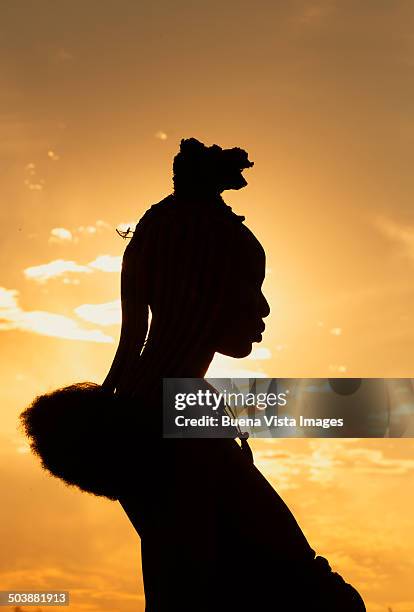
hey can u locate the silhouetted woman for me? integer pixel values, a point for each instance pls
(215, 536)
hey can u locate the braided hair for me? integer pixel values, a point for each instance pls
(177, 266)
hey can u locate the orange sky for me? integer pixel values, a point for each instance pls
(94, 98)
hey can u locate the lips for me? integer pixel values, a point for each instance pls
(257, 336)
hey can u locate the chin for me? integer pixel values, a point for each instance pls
(237, 352)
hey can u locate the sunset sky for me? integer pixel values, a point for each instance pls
(94, 99)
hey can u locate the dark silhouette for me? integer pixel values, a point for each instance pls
(215, 536)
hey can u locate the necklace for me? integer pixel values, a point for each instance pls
(242, 435)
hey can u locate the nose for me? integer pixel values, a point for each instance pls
(265, 307)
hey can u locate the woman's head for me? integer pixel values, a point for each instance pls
(199, 270)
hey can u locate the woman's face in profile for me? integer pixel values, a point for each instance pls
(244, 305)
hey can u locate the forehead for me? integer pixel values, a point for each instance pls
(249, 255)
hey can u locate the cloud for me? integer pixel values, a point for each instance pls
(372, 461)
(32, 181)
(13, 317)
(8, 302)
(53, 155)
(289, 467)
(336, 331)
(60, 234)
(66, 551)
(98, 227)
(107, 263)
(326, 462)
(86, 229)
(63, 267)
(401, 235)
(227, 367)
(108, 313)
(53, 269)
(260, 353)
(337, 368)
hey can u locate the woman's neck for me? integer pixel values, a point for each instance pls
(158, 362)
(192, 366)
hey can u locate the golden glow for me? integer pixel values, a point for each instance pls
(94, 102)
